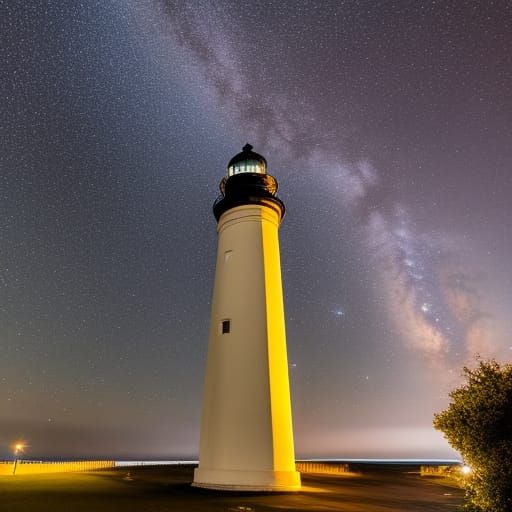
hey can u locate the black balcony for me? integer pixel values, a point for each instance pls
(246, 189)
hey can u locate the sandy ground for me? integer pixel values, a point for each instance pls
(166, 489)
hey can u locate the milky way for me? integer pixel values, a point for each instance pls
(388, 128)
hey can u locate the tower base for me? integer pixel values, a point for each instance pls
(240, 480)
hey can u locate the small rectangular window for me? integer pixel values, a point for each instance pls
(226, 326)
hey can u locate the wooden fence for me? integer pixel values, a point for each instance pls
(32, 467)
(321, 467)
(437, 470)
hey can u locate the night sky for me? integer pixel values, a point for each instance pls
(388, 126)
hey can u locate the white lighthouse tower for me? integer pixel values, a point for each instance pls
(246, 428)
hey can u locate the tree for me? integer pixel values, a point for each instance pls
(478, 424)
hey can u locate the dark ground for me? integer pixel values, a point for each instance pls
(166, 489)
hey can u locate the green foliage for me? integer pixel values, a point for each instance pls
(478, 424)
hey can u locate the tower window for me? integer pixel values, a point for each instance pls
(225, 326)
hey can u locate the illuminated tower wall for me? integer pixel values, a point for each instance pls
(246, 429)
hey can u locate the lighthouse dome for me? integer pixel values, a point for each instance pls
(247, 161)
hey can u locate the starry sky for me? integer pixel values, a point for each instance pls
(388, 126)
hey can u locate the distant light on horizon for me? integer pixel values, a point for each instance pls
(416, 443)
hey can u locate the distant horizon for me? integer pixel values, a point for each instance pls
(177, 461)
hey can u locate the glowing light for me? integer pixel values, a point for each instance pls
(466, 470)
(425, 307)
(19, 447)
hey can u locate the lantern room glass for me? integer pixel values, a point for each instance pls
(249, 165)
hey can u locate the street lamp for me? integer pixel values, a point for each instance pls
(18, 448)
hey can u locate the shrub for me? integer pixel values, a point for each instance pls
(478, 424)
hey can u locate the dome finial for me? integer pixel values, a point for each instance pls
(247, 147)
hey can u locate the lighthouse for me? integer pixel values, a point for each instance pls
(246, 438)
